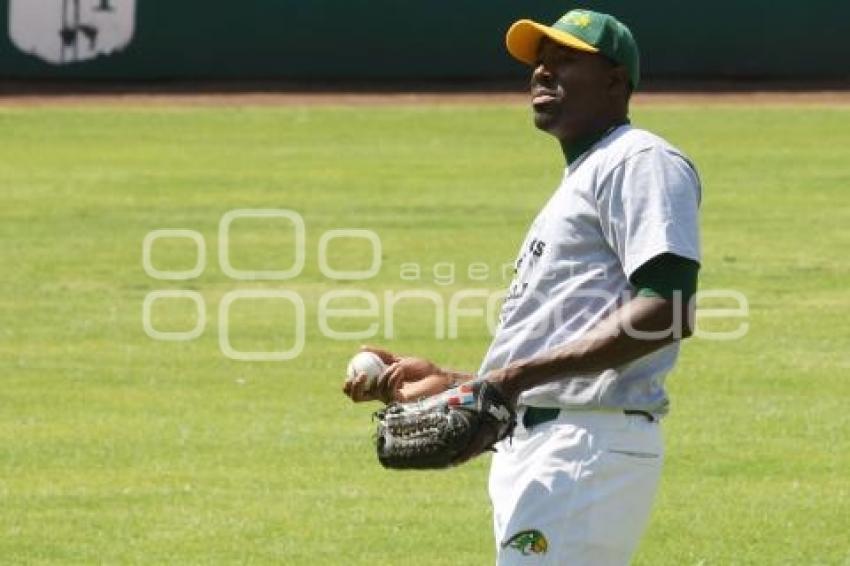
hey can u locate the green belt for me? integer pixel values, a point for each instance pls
(535, 416)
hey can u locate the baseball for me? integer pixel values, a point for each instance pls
(368, 363)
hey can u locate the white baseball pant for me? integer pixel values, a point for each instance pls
(576, 490)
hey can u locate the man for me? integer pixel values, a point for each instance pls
(593, 318)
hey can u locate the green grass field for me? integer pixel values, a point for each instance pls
(117, 448)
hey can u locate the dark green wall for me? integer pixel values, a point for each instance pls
(442, 39)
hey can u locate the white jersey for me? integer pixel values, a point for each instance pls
(629, 198)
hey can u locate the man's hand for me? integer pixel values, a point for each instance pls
(406, 378)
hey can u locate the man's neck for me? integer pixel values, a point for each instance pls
(576, 148)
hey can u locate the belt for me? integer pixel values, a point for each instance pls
(535, 416)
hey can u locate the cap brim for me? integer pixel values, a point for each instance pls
(523, 39)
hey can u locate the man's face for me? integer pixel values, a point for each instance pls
(573, 92)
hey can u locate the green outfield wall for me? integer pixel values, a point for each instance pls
(402, 39)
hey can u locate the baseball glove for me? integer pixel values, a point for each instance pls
(444, 430)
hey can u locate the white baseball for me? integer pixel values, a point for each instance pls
(368, 363)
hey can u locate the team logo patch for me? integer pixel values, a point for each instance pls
(528, 542)
(60, 32)
(580, 19)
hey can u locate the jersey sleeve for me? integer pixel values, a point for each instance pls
(649, 205)
(665, 275)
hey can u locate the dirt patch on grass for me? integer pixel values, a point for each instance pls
(242, 94)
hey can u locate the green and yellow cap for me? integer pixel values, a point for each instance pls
(584, 30)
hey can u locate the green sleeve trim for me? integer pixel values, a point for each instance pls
(665, 274)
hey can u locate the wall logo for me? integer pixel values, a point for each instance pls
(69, 31)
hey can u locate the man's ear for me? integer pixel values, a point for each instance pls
(619, 82)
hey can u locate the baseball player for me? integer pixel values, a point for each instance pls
(594, 316)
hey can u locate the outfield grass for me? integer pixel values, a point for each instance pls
(117, 448)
